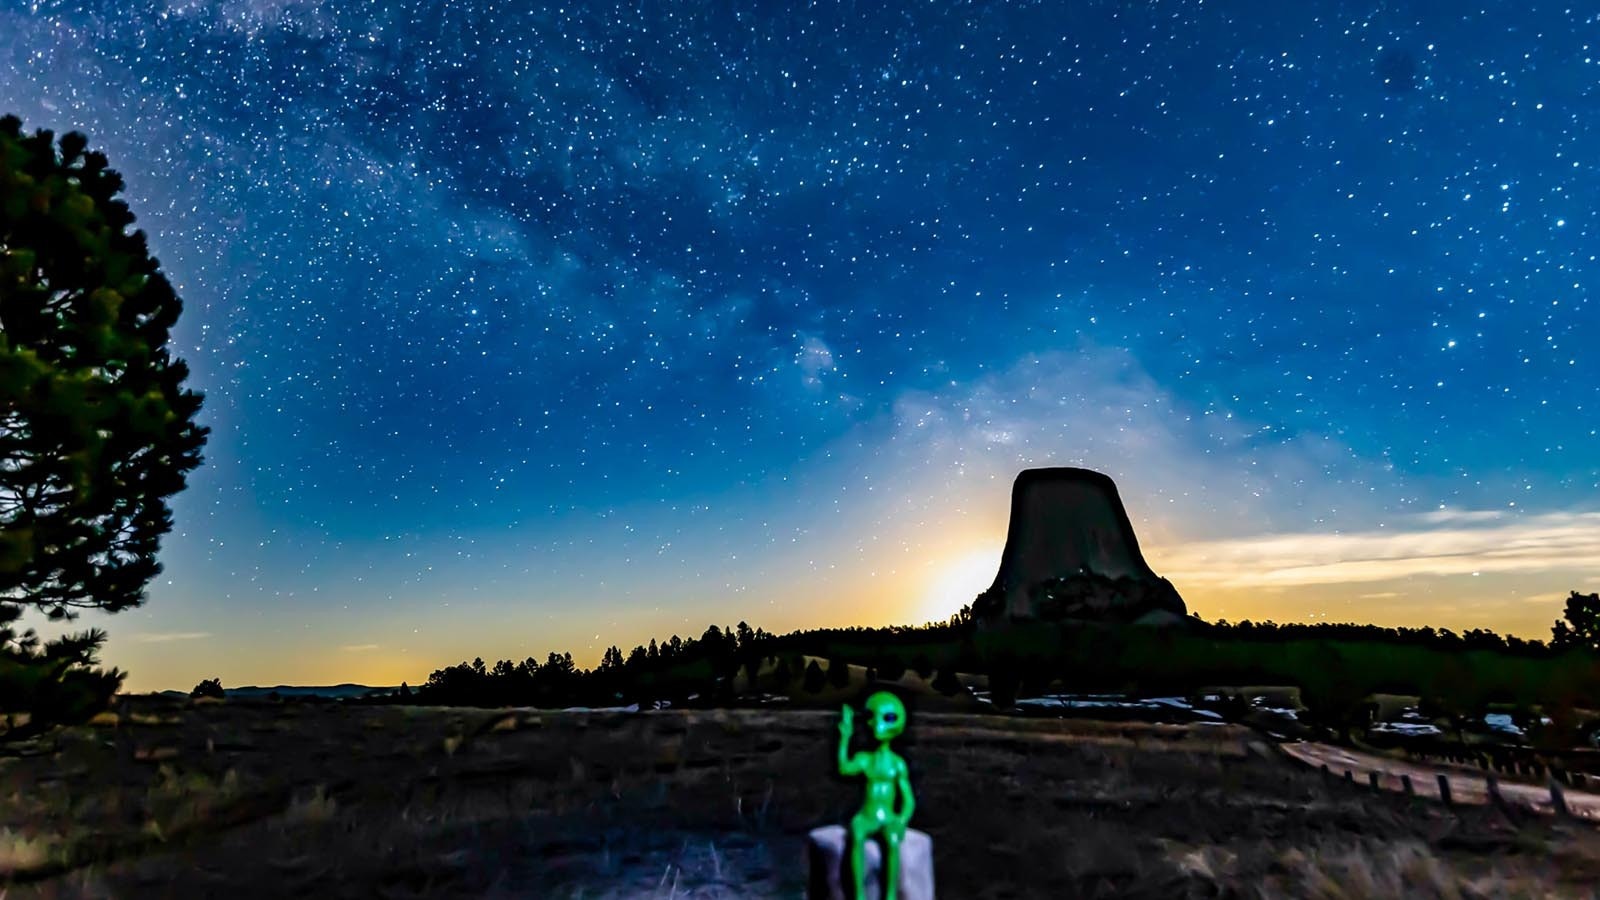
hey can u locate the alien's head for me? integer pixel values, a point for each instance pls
(888, 716)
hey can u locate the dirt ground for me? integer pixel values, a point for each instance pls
(246, 800)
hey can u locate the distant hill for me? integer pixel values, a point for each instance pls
(332, 691)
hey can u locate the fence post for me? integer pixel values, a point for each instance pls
(1444, 789)
(1405, 782)
(1558, 798)
(1491, 784)
(1372, 779)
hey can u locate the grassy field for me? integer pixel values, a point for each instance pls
(244, 800)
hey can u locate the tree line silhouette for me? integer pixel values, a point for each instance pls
(709, 661)
(705, 668)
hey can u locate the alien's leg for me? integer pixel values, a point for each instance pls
(892, 833)
(860, 832)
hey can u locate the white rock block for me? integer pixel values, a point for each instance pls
(828, 849)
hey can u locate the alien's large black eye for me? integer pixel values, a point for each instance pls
(890, 717)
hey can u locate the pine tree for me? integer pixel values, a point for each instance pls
(96, 430)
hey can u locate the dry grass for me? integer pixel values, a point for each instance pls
(335, 802)
(315, 807)
(21, 853)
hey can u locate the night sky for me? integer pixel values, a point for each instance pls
(543, 329)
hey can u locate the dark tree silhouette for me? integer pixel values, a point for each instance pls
(1335, 696)
(54, 683)
(815, 679)
(838, 673)
(890, 668)
(1579, 625)
(946, 683)
(1004, 680)
(210, 687)
(97, 430)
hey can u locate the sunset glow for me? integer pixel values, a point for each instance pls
(957, 580)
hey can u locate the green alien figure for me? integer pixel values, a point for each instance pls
(885, 772)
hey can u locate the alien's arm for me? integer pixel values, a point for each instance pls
(910, 803)
(848, 765)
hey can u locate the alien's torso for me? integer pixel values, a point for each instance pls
(882, 769)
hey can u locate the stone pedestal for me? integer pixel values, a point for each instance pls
(828, 849)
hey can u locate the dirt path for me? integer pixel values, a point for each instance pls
(1466, 785)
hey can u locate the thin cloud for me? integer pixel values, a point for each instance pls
(358, 648)
(1536, 543)
(1460, 516)
(1183, 469)
(815, 360)
(162, 637)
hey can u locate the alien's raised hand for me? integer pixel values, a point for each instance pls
(846, 726)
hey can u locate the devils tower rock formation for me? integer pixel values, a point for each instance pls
(1071, 554)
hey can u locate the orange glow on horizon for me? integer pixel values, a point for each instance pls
(956, 579)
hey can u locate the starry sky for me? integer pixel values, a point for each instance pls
(533, 326)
